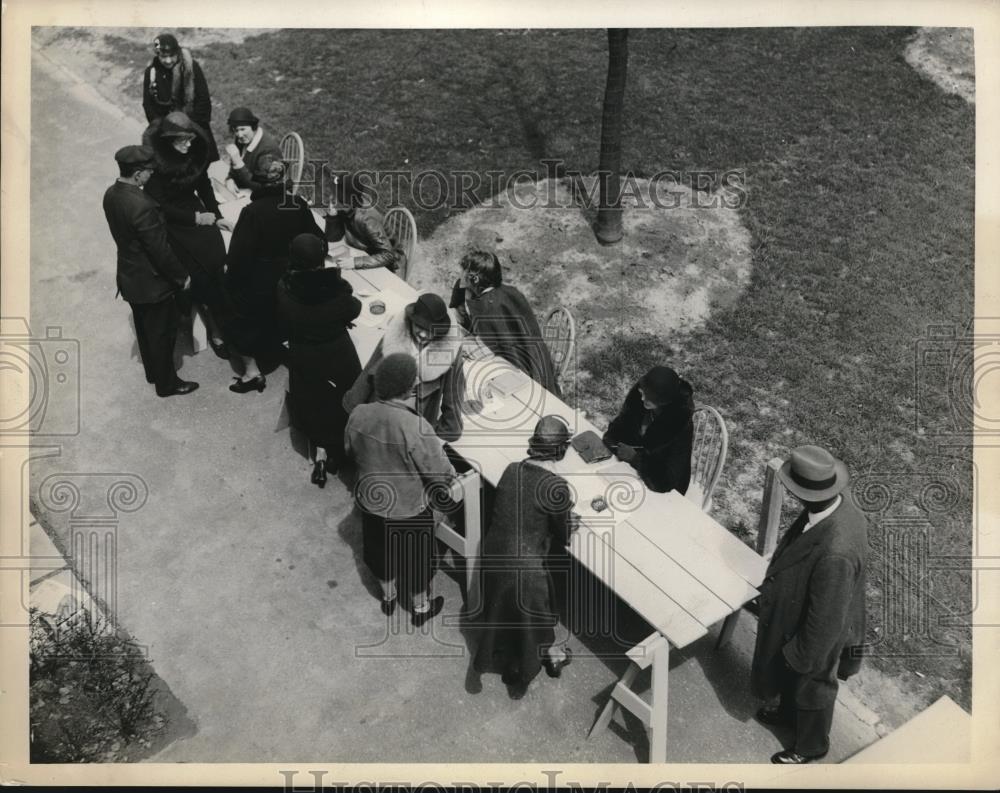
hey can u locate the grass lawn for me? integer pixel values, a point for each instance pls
(860, 181)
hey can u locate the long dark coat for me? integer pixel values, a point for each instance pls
(258, 258)
(314, 310)
(182, 188)
(664, 462)
(505, 322)
(530, 518)
(812, 606)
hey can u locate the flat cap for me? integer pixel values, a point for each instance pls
(135, 155)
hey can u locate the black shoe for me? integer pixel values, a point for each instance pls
(246, 386)
(517, 690)
(773, 717)
(420, 617)
(788, 757)
(388, 607)
(219, 348)
(319, 474)
(182, 387)
(554, 668)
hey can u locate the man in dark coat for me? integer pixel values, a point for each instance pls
(251, 143)
(500, 316)
(149, 275)
(654, 431)
(174, 81)
(812, 605)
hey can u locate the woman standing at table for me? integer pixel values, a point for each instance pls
(654, 431)
(423, 331)
(182, 188)
(500, 316)
(531, 518)
(258, 257)
(315, 309)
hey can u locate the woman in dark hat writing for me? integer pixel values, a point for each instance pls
(183, 190)
(315, 309)
(352, 217)
(258, 257)
(531, 518)
(654, 430)
(423, 330)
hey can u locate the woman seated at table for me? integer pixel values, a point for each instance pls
(655, 430)
(500, 316)
(351, 217)
(423, 330)
(315, 309)
(531, 518)
(183, 190)
(258, 257)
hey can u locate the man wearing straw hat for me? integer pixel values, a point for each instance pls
(812, 606)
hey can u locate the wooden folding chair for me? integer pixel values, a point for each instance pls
(293, 152)
(708, 455)
(402, 230)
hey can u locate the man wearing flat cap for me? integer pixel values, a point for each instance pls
(174, 81)
(812, 606)
(251, 143)
(149, 274)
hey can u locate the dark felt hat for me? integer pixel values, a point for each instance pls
(307, 252)
(243, 117)
(813, 474)
(269, 170)
(430, 313)
(135, 155)
(395, 376)
(177, 125)
(166, 44)
(661, 385)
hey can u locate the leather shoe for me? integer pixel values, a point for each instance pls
(182, 387)
(219, 348)
(319, 474)
(420, 617)
(773, 717)
(388, 607)
(554, 668)
(246, 386)
(788, 757)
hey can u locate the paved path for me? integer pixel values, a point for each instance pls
(244, 581)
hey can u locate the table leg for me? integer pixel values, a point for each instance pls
(658, 716)
(609, 709)
(473, 540)
(727, 630)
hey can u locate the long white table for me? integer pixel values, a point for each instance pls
(673, 564)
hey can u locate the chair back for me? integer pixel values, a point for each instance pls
(560, 335)
(294, 155)
(708, 455)
(402, 230)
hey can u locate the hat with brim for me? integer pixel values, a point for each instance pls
(242, 117)
(429, 313)
(813, 474)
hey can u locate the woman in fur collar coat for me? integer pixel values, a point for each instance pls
(183, 190)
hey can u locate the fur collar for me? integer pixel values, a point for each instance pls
(177, 168)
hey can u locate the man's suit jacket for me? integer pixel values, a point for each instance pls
(812, 605)
(148, 270)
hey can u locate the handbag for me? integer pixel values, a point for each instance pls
(590, 447)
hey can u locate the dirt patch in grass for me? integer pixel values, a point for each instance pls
(946, 56)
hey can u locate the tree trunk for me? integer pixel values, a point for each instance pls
(609, 213)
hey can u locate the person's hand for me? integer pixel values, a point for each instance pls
(225, 225)
(204, 218)
(187, 283)
(625, 453)
(234, 155)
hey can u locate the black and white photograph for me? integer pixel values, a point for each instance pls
(570, 394)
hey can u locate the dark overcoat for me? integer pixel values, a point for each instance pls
(664, 459)
(181, 186)
(314, 309)
(530, 519)
(505, 322)
(812, 606)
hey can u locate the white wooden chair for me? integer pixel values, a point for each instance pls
(293, 152)
(402, 230)
(560, 335)
(708, 455)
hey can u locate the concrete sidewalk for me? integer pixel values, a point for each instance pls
(244, 581)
